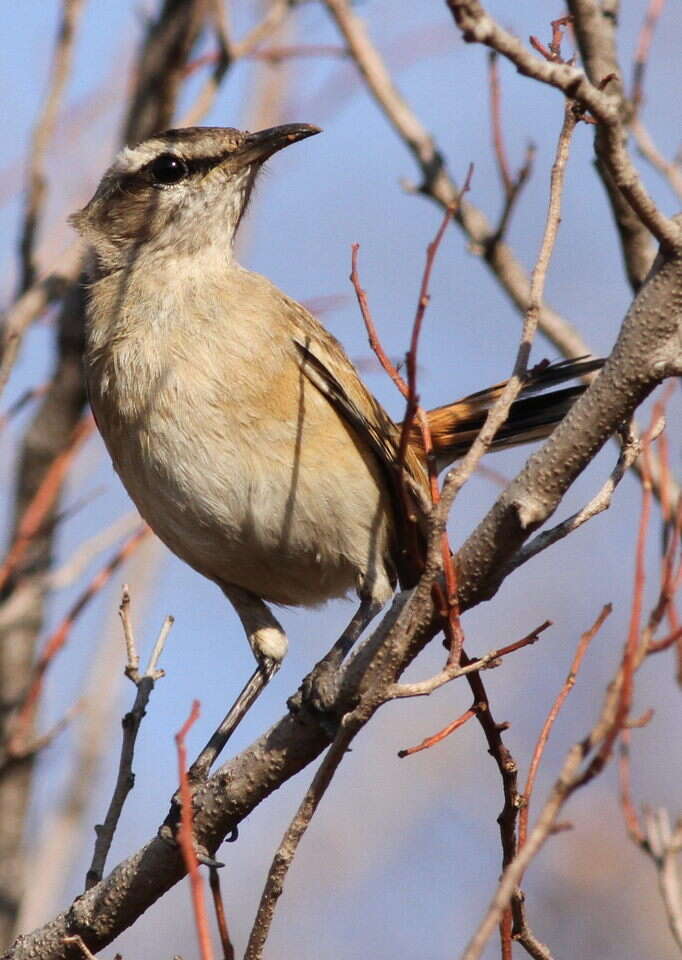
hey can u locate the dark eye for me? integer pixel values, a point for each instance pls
(168, 169)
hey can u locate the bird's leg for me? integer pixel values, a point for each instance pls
(269, 644)
(320, 687)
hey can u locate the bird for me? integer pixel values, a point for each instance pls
(238, 425)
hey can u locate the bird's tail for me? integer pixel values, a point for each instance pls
(454, 427)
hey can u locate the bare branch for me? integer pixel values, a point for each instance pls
(230, 51)
(286, 851)
(665, 846)
(670, 169)
(569, 683)
(221, 921)
(33, 303)
(630, 450)
(572, 776)
(186, 839)
(500, 410)
(439, 186)
(42, 134)
(478, 26)
(453, 670)
(125, 779)
(596, 27)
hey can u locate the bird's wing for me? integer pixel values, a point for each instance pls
(327, 367)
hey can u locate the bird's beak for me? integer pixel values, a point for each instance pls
(257, 147)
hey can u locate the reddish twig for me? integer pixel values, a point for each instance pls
(43, 500)
(557, 33)
(629, 813)
(453, 628)
(553, 53)
(473, 711)
(26, 710)
(594, 750)
(451, 671)
(568, 685)
(530, 638)
(221, 920)
(506, 935)
(671, 568)
(656, 646)
(422, 303)
(186, 839)
(629, 662)
(374, 341)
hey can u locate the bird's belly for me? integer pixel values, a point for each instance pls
(257, 508)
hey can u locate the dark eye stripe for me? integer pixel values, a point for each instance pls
(142, 178)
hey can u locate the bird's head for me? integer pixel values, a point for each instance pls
(178, 191)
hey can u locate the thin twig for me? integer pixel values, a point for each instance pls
(453, 628)
(477, 25)
(33, 303)
(186, 840)
(453, 670)
(670, 169)
(286, 851)
(435, 738)
(522, 933)
(438, 184)
(125, 778)
(499, 411)
(572, 776)
(56, 846)
(42, 134)
(374, 341)
(77, 941)
(630, 450)
(644, 40)
(219, 908)
(43, 500)
(568, 685)
(496, 123)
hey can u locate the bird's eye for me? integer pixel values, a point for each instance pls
(168, 169)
